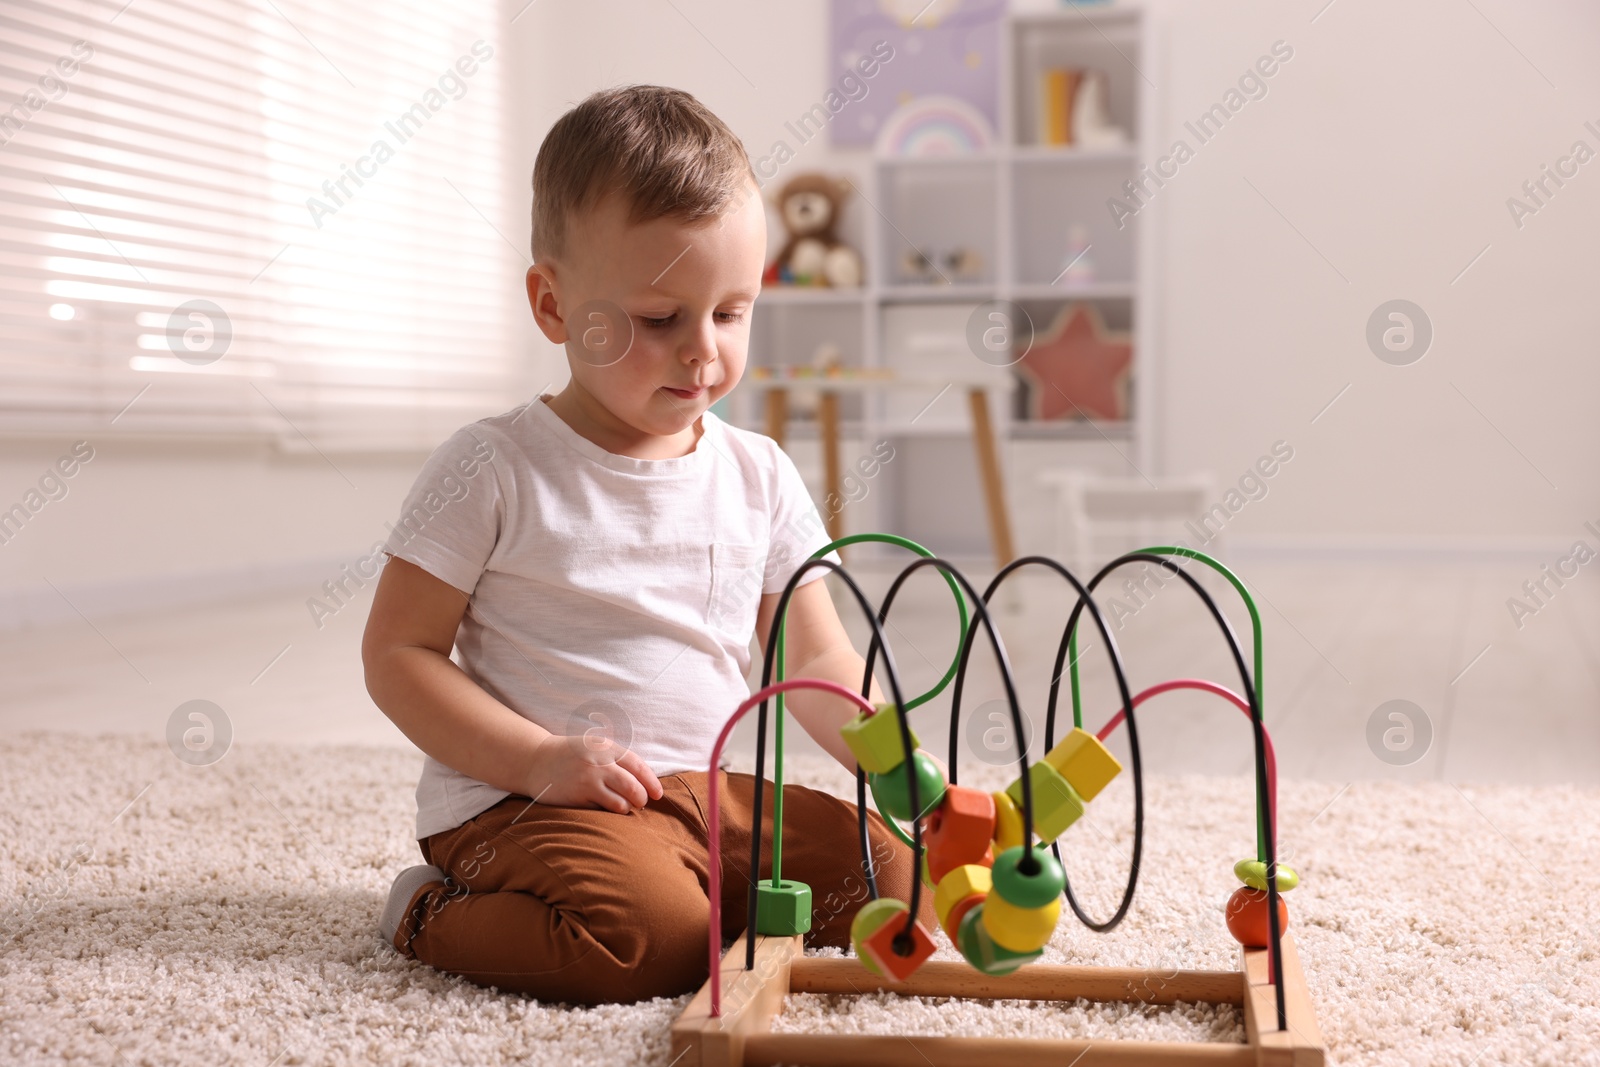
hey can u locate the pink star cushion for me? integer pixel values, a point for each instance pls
(1079, 368)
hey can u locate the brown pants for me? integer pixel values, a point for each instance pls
(587, 906)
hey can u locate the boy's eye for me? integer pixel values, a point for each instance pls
(728, 317)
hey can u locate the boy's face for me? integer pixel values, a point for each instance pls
(655, 318)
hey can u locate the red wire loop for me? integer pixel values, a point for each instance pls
(1237, 701)
(714, 819)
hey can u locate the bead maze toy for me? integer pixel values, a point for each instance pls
(997, 891)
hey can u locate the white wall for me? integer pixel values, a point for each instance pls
(1390, 142)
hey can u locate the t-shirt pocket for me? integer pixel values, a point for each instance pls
(737, 575)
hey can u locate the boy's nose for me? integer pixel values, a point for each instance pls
(701, 345)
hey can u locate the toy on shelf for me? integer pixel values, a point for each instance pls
(809, 206)
(1077, 266)
(992, 860)
(1077, 368)
(959, 264)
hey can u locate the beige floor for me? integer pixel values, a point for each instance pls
(1341, 639)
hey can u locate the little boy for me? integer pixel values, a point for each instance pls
(598, 561)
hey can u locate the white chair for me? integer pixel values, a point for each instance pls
(1098, 518)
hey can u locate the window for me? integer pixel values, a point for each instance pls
(253, 218)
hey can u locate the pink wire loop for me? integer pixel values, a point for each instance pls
(714, 818)
(1237, 701)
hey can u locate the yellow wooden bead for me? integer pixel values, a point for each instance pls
(1086, 764)
(1056, 805)
(1019, 929)
(1007, 823)
(875, 740)
(962, 882)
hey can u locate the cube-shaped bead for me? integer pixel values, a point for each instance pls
(875, 740)
(783, 909)
(1056, 804)
(1019, 929)
(958, 884)
(982, 952)
(878, 946)
(1007, 822)
(1086, 764)
(959, 830)
(868, 918)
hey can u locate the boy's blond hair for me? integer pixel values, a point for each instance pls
(660, 148)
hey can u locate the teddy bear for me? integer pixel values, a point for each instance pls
(808, 205)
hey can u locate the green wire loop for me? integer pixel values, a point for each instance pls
(777, 737)
(1255, 627)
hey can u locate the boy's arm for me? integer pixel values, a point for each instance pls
(817, 646)
(406, 652)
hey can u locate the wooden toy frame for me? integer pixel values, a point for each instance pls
(728, 1023)
(742, 1035)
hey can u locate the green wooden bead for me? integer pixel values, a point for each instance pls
(1056, 805)
(980, 950)
(872, 915)
(783, 909)
(1028, 890)
(893, 790)
(1253, 873)
(875, 740)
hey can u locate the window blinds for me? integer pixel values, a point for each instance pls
(264, 217)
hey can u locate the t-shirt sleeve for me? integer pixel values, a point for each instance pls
(797, 529)
(451, 518)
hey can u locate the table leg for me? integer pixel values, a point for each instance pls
(777, 412)
(989, 470)
(833, 501)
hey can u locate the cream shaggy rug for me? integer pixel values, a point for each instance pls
(159, 913)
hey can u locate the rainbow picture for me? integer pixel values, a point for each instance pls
(934, 126)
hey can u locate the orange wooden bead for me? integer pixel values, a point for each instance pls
(959, 831)
(878, 947)
(869, 918)
(1248, 917)
(938, 866)
(952, 922)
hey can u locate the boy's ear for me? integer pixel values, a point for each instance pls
(541, 299)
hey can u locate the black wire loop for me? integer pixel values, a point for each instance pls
(902, 943)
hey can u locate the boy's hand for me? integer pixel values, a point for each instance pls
(588, 771)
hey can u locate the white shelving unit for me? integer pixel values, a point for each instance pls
(1014, 204)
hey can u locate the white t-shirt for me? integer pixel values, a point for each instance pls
(606, 592)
